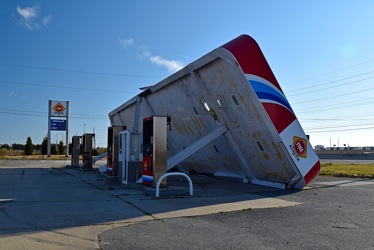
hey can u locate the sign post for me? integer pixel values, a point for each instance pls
(58, 119)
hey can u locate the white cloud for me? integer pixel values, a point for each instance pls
(28, 13)
(28, 17)
(171, 65)
(126, 42)
(145, 53)
(46, 20)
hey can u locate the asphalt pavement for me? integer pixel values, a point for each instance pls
(45, 205)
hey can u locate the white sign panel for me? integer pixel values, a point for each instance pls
(59, 108)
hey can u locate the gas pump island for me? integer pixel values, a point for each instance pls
(85, 147)
(154, 150)
(142, 156)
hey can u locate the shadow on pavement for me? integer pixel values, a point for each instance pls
(51, 197)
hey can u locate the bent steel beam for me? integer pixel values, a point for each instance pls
(194, 147)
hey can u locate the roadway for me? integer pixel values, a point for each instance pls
(333, 213)
(44, 205)
(347, 161)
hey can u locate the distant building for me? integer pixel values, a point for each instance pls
(319, 147)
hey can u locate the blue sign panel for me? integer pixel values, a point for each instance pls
(58, 124)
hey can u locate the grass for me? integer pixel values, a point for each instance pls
(347, 170)
(327, 169)
(34, 157)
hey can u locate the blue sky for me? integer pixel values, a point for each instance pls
(97, 54)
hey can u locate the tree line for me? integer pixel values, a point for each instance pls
(29, 148)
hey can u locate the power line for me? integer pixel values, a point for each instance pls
(331, 97)
(17, 110)
(21, 114)
(319, 120)
(352, 103)
(44, 114)
(327, 73)
(339, 130)
(72, 117)
(334, 106)
(76, 71)
(349, 125)
(340, 118)
(339, 85)
(65, 87)
(317, 109)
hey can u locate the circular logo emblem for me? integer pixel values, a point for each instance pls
(300, 146)
(59, 108)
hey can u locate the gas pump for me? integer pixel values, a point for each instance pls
(87, 151)
(76, 144)
(129, 156)
(112, 153)
(154, 149)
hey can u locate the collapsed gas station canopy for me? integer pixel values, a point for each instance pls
(230, 99)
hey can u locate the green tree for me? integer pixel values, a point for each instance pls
(17, 146)
(45, 146)
(6, 146)
(29, 147)
(61, 148)
(53, 149)
(38, 147)
(101, 150)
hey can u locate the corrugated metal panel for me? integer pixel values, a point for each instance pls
(211, 92)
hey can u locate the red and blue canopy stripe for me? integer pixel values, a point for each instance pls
(259, 74)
